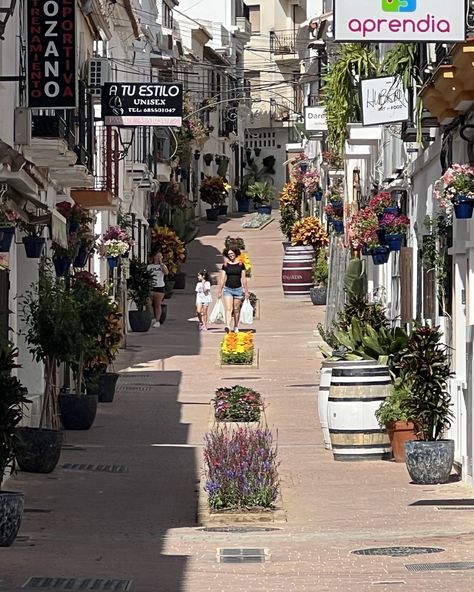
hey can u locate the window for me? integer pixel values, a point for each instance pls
(167, 16)
(254, 12)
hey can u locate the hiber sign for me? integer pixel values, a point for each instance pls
(399, 20)
(383, 100)
(142, 103)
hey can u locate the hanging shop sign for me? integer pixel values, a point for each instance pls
(399, 20)
(315, 119)
(142, 103)
(383, 100)
(51, 54)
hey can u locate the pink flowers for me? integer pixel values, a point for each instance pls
(380, 201)
(457, 180)
(311, 181)
(394, 224)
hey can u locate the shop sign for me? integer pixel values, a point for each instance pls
(399, 20)
(51, 54)
(383, 100)
(315, 119)
(142, 103)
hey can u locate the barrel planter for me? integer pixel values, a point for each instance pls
(323, 391)
(355, 394)
(296, 275)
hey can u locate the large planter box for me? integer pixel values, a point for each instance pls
(213, 422)
(253, 364)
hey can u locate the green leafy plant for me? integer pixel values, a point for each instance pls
(261, 193)
(426, 370)
(12, 406)
(237, 403)
(391, 410)
(321, 269)
(139, 283)
(435, 257)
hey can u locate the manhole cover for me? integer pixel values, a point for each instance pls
(78, 584)
(238, 529)
(241, 555)
(99, 468)
(456, 566)
(398, 551)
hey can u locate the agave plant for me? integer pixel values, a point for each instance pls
(261, 193)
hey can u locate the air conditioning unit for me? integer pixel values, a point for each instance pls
(98, 72)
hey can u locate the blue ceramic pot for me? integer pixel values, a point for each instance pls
(264, 210)
(318, 195)
(7, 233)
(61, 266)
(391, 210)
(380, 255)
(365, 251)
(463, 207)
(429, 462)
(34, 246)
(81, 258)
(338, 226)
(394, 241)
(112, 261)
(381, 235)
(244, 205)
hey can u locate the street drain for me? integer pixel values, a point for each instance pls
(238, 529)
(398, 551)
(454, 508)
(36, 511)
(133, 388)
(99, 468)
(241, 378)
(300, 385)
(455, 566)
(241, 555)
(388, 582)
(78, 584)
(72, 447)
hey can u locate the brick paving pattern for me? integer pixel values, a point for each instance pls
(140, 524)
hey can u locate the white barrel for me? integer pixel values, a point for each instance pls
(296, 275)
(323, 391)
(355, 394)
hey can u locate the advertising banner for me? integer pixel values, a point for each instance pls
(383, 100)
(399, 20)
(142, 103)
(315, 119)
(51, 54)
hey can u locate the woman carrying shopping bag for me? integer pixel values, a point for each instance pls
(232, 287)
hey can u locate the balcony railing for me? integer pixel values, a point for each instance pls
(107, 166)
(283, 42)
(53, 127)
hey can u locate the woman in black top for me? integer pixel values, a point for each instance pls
(233, 287)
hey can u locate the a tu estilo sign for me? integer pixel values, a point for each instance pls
(394, 21)
(142, 103)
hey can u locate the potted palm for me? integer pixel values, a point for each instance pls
(261, 193)
(425, 367)
(318, 292)
(12, 402)
(48, 311)
(139, 285)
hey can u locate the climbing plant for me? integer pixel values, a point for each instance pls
(435, 255)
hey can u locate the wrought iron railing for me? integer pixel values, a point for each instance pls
(283, 42)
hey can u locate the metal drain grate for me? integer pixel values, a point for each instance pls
(78, 584)
(238, 529)
(388, 582)
(300, 385)
(134, 388)
(241, 555)
(398, 551)
(98, 468)
(36, 511)
(241, 378)
(455, 566)
(454, 508)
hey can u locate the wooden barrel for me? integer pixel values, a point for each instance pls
(296, 275)
(323, 391)
(355, 393)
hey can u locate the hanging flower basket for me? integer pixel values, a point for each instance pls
(381, 235)
(391, 210)
(463, 207)
(7, 233)
(394, 241)
(380, 255)
(34, 246)
(112, 262)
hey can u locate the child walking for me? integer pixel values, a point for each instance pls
(203, 298)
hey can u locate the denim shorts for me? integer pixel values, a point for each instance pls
(234, 292)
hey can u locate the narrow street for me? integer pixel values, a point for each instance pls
(122, 504)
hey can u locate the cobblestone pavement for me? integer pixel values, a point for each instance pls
(140, 524)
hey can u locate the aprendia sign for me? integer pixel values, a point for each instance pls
(399, 20)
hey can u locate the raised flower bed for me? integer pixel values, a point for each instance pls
(240, 482)
(237, 349)
(237, 404)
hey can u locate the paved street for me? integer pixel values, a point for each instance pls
(140, 524)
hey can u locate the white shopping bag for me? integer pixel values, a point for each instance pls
(246, 313)
(217, 314)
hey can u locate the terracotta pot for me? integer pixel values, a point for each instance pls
(400, 432)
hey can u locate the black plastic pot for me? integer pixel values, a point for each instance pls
(11, 514)
(140, 320)
(318, 295)
(212, 214)
(107, 384)
(34, 246)
(180, 280)
(7, 233)
(222, 210)
(40, 451)
(169, 287)
(429, 463)
(77, 411)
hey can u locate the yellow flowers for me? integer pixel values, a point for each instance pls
(237, 348)
(309, 231)
(290, 195)
(244, 259)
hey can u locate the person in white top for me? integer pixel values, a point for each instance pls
(203, 298)
(159, 270)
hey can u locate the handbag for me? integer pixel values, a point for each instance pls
(246, 313)
(218, 313)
